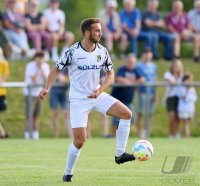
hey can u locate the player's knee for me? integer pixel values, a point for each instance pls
(79, 142)
(126, 115)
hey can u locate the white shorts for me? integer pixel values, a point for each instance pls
(80, 109)
(185, 115)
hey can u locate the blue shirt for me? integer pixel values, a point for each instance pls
(125, 94)
(154, 17)
(130, 19)
(149, 72)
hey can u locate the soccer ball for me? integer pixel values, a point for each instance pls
(142, 150)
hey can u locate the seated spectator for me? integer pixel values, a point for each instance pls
(4, 72)
(14, 26)
(131, 23)
(178, 23)
(110, 22)
(152, 29)
(173, 77)
(58, 96)
(146, 97)
(35, 26)
(194, 18)
(36, 73)
(186, 105)
(127, 74)
(56, 27)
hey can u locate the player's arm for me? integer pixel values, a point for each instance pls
(50, 81)
(109, 79)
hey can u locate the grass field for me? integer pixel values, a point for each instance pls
(27, 163)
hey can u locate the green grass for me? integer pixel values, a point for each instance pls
(43, 163)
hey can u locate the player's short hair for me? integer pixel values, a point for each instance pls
(86, 24)
(39, 54)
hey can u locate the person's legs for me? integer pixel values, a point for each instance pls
(105, 126)
(67, 122)
(108, 38)
(134, 45)
(35, 37)
(196, 45)
(168, 40)
(48, 40)
(186, 128)
(123, 43)
(54, 51)
(177, 45)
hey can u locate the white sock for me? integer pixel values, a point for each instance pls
(27, 135)
(122, 136)
(35, 135)
(72, 157)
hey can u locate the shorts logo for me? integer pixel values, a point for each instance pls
(98, 58)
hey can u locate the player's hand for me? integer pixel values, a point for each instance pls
(43, 93)
(95, 94)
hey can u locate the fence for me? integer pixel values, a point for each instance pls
(148, 86)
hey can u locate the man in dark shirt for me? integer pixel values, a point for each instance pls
(152, 26)
(127, 74)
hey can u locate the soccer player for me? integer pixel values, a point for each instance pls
(84, 60)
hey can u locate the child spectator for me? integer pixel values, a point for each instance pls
(173, 77)
(36, 74)
(58, 96)
(4, 72)
(186, 105)
(146, 99)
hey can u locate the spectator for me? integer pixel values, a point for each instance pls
(14, 25)
(152, 26)
(186, 106)
(35, 26)
(131, 23)
(127, 74)
(194, 18)
(146, 97)
(58, 96)
(56, 27)
(110, 22)
(36, 73)
(4, 72)
(173, 77)
(178, 23)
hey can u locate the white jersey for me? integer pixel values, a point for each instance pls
(84, 69)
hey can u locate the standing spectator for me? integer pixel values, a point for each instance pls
(58, 96)
(14, 26)
(110, 22)
(131, 23)
(127, 74)
(36, 73)
(178, 23)
(152, 26)
(4, 72)
(56, 27)
(173, 77)
(35, 26)
(146, 97)
(194, 18)
(186, 105)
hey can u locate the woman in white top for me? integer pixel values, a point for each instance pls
(173, 77)
(186, 105)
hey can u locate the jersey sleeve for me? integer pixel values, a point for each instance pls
(65, 60)
(107, 64)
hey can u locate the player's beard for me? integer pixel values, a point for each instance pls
(93, 40)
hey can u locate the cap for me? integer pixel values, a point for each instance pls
(147, 49)
(111, 3)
